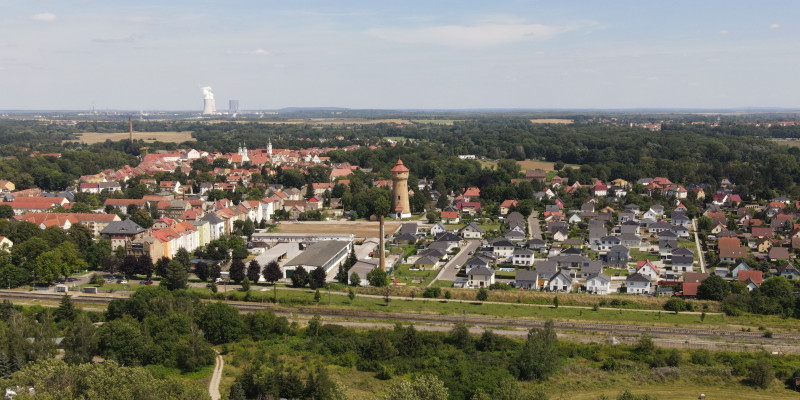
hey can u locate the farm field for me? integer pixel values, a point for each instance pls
(148, 137)
(358, 228)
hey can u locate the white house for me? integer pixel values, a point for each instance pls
(438, 228)
(638, 284)
(560, 282)
(480, 277)
(476, 262)
(471, 231)
(598, 284)
(647, 269)
(523, 257)
(503, 249)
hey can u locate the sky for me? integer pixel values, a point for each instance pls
(434, 54)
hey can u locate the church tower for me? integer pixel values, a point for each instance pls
(269, 147)
(400, 207)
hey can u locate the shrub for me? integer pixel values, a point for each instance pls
(432, 292)
(482, 295)
(761, 374)
(448, 295)
(675, 304)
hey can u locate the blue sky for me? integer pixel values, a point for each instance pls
(67, 54)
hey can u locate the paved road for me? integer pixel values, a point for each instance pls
(533, 225)
(363, 250)
(216, 377)
(699, 254)
(449, 271)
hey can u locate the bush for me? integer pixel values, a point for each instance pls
(701, 357)
(761, 374)
(432, 292)
(675, 304)
(482, 295)
(610, 364)
(448, 295)
(500, 286)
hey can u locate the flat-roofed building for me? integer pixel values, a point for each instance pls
(326, 254)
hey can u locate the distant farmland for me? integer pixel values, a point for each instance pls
(551, 121)
(148, 137)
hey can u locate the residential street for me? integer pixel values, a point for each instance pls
(448, 272)
(533, 226)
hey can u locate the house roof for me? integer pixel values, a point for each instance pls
(126, 227)
(481, 271)
(525, 275)
(756, 276)
(690, 288)
(473, 226)
(637, 277)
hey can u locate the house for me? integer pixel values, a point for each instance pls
(598, 284)
(523, 257)
(526, 280)
(618, 255)
(120, 232)
(647, 269)
(503, 249)
(476, 262)
(778, 253)
(560, 282)
(546, 269)
(480, 277)
(514, 236)
(741, 267)
(786, 270)
(752, 279)
(536, 244)
(659, 227)
(638, 284)
(405, 238)
(763, 245)
(506, 206)
(437, 229)
(630, 240)
(607, 242)
(471, 231)
(682, 259)
(426, 262)
(450, 217)
(561, 235)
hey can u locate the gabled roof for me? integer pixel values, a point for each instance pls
(637, 277)
(525, 275)
(473, 226)
(481, 271)
(756, 276)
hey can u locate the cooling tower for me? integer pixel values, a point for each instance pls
(208, 101)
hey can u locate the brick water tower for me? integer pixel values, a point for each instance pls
(400, 207)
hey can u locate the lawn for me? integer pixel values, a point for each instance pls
(405, 275)
(687, 244)
(638, 255)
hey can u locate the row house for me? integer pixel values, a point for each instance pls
(22, 205)
(95, 222)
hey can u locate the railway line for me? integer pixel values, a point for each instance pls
(487, 322)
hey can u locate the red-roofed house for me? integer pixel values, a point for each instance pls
(450, 217)
(506, 205)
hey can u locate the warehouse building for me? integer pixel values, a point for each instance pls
(326, 254)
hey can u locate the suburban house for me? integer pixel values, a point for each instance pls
(437, 229)
(646, 268)
(503, 249)
(523, 257)
(618, 255)
(120, 232)
(741, 267)
(786, 270)
(638, 284)
(598, 284)
(560, 282)
(480, 277)
(471, 231)
(752, 279)
(526, 280)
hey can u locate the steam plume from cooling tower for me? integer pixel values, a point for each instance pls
(207, 93)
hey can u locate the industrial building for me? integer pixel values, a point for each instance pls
(326, 254)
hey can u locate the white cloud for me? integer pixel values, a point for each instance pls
(775, 26)
(43, 17)
(485, 34)
(139, 19)
(724, 32)
(125, 39)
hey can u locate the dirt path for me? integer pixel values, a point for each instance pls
(216, 377)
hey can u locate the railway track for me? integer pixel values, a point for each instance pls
(441, 319)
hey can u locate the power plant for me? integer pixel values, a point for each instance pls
(233, 107)
(209, 108)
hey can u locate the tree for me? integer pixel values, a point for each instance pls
(253, 271)
(183, 257)
(122, 340)
(355, 280)
(80, 344)
(761, 373)
(425, 387)
(201, 270)
(317, 296)
(161, 266)
(176, 276)
(713, 288)
(351, 294)
(317, 278)
(272, 272)
(237, 270)
(377, 277)
(246, 284)
(539, 357)
(482, 294)
(299, 277)
(66, 310)
(6, 211)
(382, 206)
(220, 323)
(142, 218)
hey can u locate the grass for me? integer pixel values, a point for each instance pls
(339, 300)
(405, 275)
(638, 255)
(148, 137)
(686, 244)
(614, 271)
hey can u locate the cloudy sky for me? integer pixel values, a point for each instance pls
(156, 54)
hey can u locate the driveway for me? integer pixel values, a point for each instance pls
(533, 225)
(449, 271)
